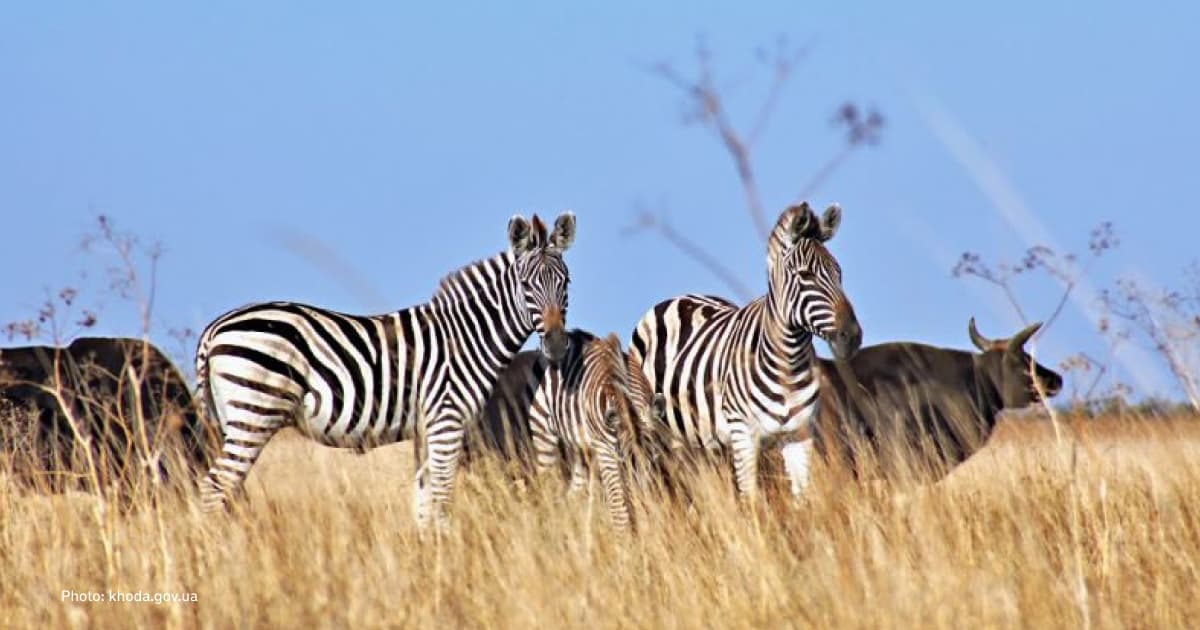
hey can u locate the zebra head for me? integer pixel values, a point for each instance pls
(542, 277)
(805, 281)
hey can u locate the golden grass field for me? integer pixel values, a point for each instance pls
(1031, 532)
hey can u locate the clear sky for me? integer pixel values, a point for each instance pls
(401, 136)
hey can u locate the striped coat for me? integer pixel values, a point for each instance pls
(582, 411)
(358, 381)
(741, 378)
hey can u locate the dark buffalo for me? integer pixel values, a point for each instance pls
(121, 396)
(918, 411)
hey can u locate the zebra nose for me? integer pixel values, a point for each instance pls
(554, 344)
(846, 340)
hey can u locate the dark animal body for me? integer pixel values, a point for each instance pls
(121, 397)
(908, 410)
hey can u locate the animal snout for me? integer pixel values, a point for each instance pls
(554, 344)
(845, 341)
(1052, 383)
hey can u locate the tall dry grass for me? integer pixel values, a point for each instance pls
(1024, 534)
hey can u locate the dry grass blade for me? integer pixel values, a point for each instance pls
(1013, 538)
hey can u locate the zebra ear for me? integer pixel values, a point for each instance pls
(830, 220)
(539, 232)
(520, 234)
(793, 225)
(564, 231)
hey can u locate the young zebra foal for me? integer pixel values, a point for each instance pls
(359, 381)
(583, 407)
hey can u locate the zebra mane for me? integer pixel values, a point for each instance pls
(611, 361)
(444, 294)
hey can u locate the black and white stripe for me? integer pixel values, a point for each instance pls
(583, 407)
(739, 378)
(359, 381)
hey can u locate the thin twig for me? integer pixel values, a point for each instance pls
(710, 110)
(782, 66)
(707, 106)
(826, 170)
(1012, 299)
(647, 220)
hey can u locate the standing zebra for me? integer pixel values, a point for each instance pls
(743, 378)
(359, 381)
(583, 406)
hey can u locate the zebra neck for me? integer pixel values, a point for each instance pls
(781, 348)
(785, 356)
(477, 309)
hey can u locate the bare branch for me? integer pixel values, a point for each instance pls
(125, 279)
(782, 64)
(708, 108)
(822, 174)
(647, 220)
(705, 105)
(1167, 320)
(1063, 268)
(861, 130)
(971, 264)
(1079, 364)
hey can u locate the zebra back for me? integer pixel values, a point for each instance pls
(593, 380)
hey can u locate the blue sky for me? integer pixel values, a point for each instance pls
(402, 139)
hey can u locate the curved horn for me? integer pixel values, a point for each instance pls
(983, 343)
(1018, 340)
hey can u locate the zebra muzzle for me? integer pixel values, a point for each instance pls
(554, 335)
(845, 340)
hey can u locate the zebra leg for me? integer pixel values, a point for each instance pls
(437, 465)
(545, 451)
(744, 443)
(250, 406)
(420, 498)
(612, 478)
(796, 456)
(242, 444)
(580, 474)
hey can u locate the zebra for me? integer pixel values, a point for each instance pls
(352, 381)
(583, 407)
(743, 378)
